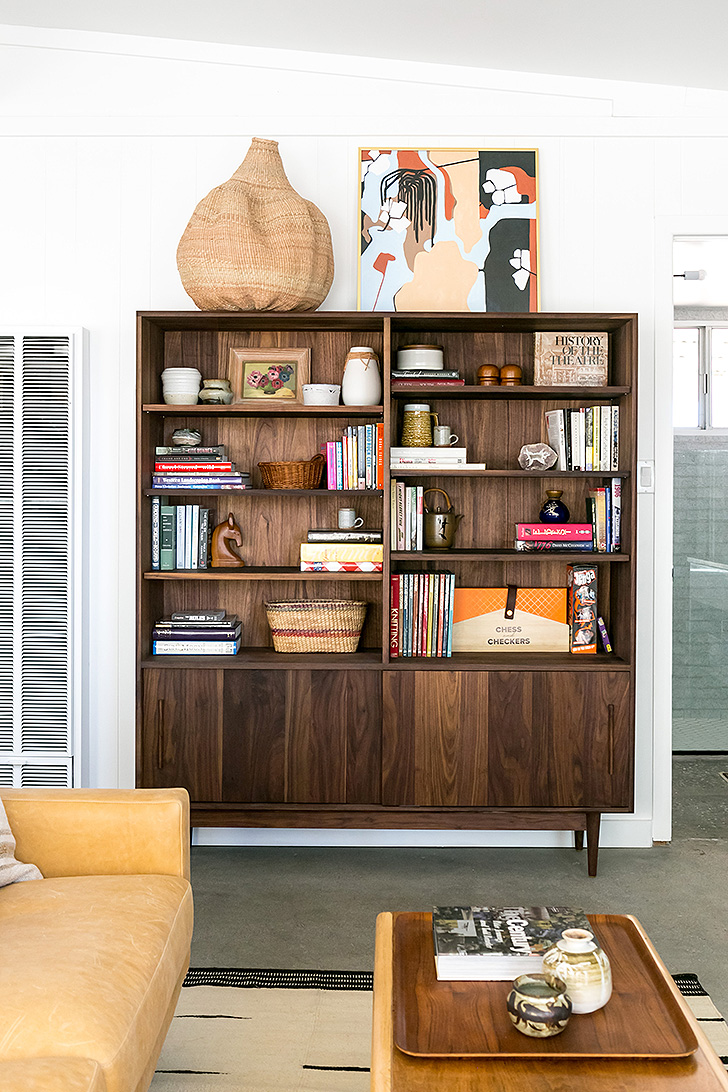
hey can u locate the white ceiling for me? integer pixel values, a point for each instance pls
(651, 41)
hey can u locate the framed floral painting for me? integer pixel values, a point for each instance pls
(269, 376)
(448, 229)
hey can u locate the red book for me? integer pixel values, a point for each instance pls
(394, 616)
(380, 455)
(554, 532)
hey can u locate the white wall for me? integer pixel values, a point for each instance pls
(109, 142)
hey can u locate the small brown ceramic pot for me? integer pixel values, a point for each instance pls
(538, 1005)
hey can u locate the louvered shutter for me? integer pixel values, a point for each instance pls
(39, 550)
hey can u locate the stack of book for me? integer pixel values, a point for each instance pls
(604, 509)
(498, 943)
(342, 557)
(406, 516)
(421, 377)
(586, 438)
(356, 461)
(197, 633)
(453, 459)
(196, 468)
(420, 617)
(531, 537)
(180, 535)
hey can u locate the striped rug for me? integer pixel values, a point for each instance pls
(300, 1031)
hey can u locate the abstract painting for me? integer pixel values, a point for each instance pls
(448, 230)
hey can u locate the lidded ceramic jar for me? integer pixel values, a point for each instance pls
(554, 510)
(361, 384)
(579, 961)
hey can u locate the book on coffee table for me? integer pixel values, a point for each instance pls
(497, 943)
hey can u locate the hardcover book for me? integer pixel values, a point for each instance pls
(497, 943)
(554, 532)
(575, 359)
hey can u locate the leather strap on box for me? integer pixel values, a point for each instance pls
(511, 600)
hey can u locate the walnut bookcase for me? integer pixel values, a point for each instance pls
(498, 741)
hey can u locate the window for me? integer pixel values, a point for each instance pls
(700, 376)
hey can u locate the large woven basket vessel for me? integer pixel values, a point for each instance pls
(254, 244)
(293, 475)
(316, 625)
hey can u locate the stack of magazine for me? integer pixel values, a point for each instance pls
(497, 943)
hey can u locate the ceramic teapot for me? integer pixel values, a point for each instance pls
(440, 524)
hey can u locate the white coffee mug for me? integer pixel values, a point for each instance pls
(442, 437)
(348, 519)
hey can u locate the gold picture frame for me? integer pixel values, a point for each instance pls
(248, 370)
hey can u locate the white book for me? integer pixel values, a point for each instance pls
(195, 648)
(420, 517)
(195, 539)
(407, 516)
(605, 442)
(556, 436)
(424, 452)
(179, 561)
(615, 438)
(188, 536)
(393, 513)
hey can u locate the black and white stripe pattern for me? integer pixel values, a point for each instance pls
(705, 1012)
(257, 979)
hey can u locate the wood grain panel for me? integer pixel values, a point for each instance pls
(517, 751)
(182, 732)
(399, 718)
(254, 736)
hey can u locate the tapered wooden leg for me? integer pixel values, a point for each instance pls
(578, 839)
(593, 819)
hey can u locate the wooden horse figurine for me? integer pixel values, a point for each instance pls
(223, 554)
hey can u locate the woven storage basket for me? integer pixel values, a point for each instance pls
(301, 475)
(254, 244)
(316, 625)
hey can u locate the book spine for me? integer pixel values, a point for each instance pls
(394, 616)
(566, 418)
(167, 528)
(361, 447)
(183, 480)
(450, 605)
(330, 464)
(156, 509)
(608, 517)
(419, 496)
(180, 537)
(431, 618)
(380, 455)
(403, 612)
(195, 537)
(535, 546)
(344, 460)
(353, 457)
(398, 384)
(195, 648)
(341, 566)
(616, 514)
(601, 520)
(589, 437)
(606, 643)
(425, 620)
(192, 468)
(615, 439)
(341, 551)
(369, 462)
(194, 633)
(339, 464)
(204, 537)
(596, 436)
(407, 517)
(371, 537)
(182, 452)
(559, 532)
(422, 373)
(393, 513)
(605, 460)
(188, 536)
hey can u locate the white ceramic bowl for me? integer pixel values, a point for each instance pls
(425, 357)
(321, 394)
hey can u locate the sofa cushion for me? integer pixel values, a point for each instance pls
(52, 1075)
(11, 870)
(89, 965)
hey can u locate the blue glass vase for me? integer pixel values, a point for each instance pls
(554, 510)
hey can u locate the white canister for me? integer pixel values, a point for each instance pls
(362, 383)
(425, 357)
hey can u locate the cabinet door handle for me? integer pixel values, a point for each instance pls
(610, 738)
(160, 733)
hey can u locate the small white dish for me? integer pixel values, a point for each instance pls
(321, 394)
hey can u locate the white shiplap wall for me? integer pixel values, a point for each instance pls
(108, 143)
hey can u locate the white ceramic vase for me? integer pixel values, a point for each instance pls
(361, 384)
(579, 961)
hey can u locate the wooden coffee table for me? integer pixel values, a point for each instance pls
(395, 1071)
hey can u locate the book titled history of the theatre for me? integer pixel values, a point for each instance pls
(497, 943)
(578, 359)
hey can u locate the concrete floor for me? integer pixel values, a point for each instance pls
(315, 908)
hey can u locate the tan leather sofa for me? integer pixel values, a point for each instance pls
(93, 956)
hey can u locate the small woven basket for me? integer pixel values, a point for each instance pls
(300, 475)
(316, 625)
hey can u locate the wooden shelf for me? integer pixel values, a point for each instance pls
(264, 492)
(504, 661)
(254, 409)
(252, 572)
(566, 394)
(249, 659)
(428, 471)
(506, 555)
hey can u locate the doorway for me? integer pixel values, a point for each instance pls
(700, 495)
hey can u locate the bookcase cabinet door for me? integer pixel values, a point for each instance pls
(182, 732)
(511, 739)
(302, 737)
